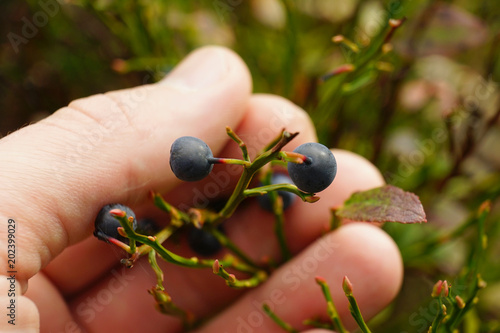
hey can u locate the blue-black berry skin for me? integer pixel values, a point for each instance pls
(316, 174)
(287, 197)
(189, 159)
(203, 242)
(106, 225)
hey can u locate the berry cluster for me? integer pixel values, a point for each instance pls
(311, 168)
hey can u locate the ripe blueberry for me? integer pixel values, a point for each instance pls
(106, 225)
(203, 242)
(318, 172)
(287, 197)
(189, 159)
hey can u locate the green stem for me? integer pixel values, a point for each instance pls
(219, 160)
(458, 315)
(481, 238)
(177, 259)
(256, 279)
(161, 236)
(272, 144)
(165, 305)
(290, 61)
(279, 230)
(178, 218)
(279, 226)
(268, 189)
(238, 194)
(226, 242)
(241, 144)
(356, 313)
(280, 322)
(318, 324)
(277, 207)
(156, 269)
(439, 317)
(332, 311)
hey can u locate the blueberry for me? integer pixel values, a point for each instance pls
(203, 242)
(189, 159)
(147, 226)
(318, 172)
(106, 225)
(287, 197)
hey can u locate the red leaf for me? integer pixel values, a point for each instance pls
(383, 204)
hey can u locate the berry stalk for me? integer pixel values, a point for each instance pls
(287, 327)
(353, 306)
(268, 189)
(240, 143)
(438, 320)
(226, 242)
(171, 257)
(165, 305)
(221, 160)
(126, 223)
(279, 227)
(248, 173)
(156, 269)
(257, 278)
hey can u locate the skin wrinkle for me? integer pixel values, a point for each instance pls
(75, 107)
(122, 107)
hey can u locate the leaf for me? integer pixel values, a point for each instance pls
(383, 204)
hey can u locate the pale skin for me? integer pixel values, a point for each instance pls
(57, 174)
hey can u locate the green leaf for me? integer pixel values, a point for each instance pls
(383, 204)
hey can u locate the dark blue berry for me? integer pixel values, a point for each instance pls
(189, 159)
(106, 225)
(287, 197)
(203, 242)
(147, 226)
(317, 172)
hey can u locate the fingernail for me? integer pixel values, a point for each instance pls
(200, 69)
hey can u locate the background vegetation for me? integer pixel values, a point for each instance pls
(421, 101)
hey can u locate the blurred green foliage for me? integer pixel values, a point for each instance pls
(421, 101)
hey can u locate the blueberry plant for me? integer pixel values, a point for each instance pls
(311, 168)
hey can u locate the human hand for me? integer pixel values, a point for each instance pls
(58, 173)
